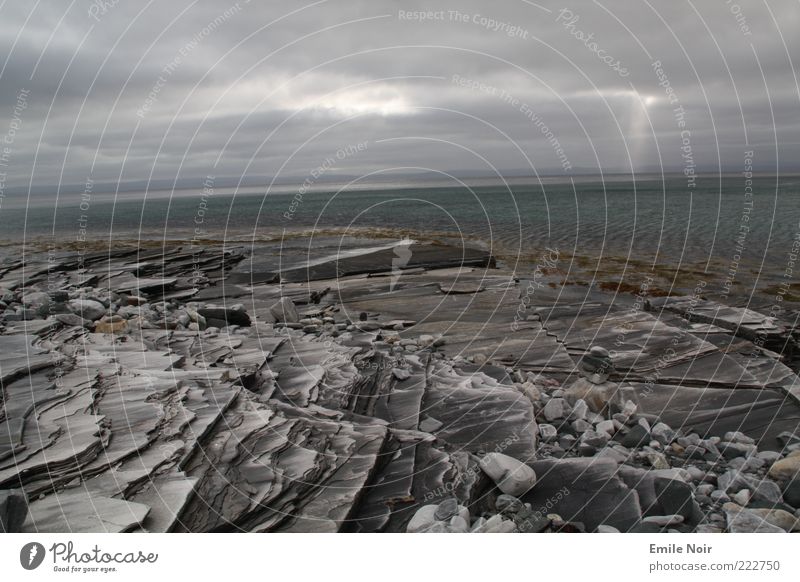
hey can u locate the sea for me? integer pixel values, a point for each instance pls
(738, 235)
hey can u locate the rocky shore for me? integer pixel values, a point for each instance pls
(404, 388)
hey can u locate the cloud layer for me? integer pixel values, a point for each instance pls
(117, 90)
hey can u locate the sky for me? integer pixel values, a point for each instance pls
(182, 90)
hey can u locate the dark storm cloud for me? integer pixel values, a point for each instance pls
(182, 89)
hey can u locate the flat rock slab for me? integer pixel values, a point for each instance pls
(382, 260)
(78, 512)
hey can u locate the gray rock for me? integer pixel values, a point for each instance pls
(87, 308)
(738, 437)
(423, 519)
(13, 510)
(741, 520)
(548, 432)
(663, 433)
(401, 374)
(636, 437)
(595, 439)
(731, 450)
(72, 319)
(446, 509)
(675, 497)
(508, 504)
(586, 490)
(284, 311)
(606, 426)
(555, 408)
(719, 496)
(581, 426)
(664, 520)
(579, 410)
(510, 475)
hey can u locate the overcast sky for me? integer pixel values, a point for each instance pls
(181, 89)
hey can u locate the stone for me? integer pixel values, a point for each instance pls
(586, 490)
(228, 317)
(705, 489)
(778, 517)
(664, 520)
(738, 437)
(87, 308)
(602, 528)
(446, 509)
(38, 301)
(606, 426)
(430, 424)
(658, 461)
(696, 473)
(579, 410)
(785, 469)
(548, 432)
(582, 426)
(733, 481)
(401, 374)
(72, 319)
(663, 433)
(511, 476)
(791, 493)
(596, 365)
(13, 510)
(555, 408)
(284, 311)
(636, 437)
(458, 524)
(742, 497)
(719, 496)
(675, 497)
(423, 519)
(731, 450)
(595, 439)
(508, 504)
(740, 520)
(111, 324)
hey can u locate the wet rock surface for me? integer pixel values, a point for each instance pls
(157, 390)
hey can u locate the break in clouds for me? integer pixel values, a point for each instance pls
(115, 90)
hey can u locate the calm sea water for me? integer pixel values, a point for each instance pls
(655, 221)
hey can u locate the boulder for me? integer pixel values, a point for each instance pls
(511, 476)
(675, 497)
(586, 490)
(87, 308)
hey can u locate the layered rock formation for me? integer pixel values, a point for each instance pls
(173, 390)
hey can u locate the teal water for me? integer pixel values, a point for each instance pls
(651, 221)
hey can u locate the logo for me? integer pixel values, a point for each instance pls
(31, 555)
